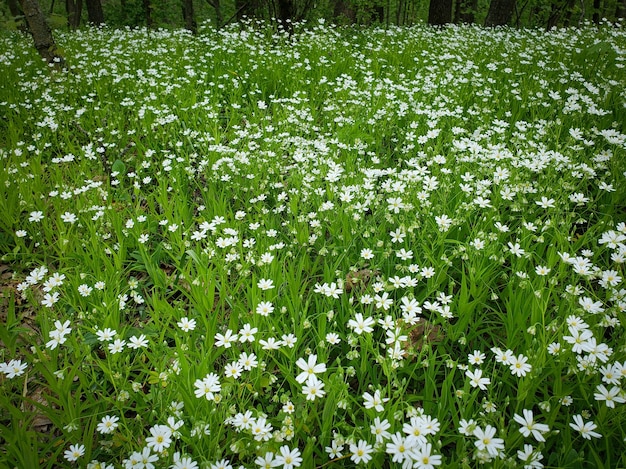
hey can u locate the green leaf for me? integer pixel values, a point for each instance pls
(119, 167)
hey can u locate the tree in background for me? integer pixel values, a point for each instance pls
(440, 12)
(74, 11)
(597, 4)
(189, 17)
(500, 12)
(465, 11)
(558, 9)
(344, 11)
(147, 9)
(95, 14)
(620, 9)
(523, 13)
(42, 35)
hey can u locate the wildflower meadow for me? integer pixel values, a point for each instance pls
(328, 247)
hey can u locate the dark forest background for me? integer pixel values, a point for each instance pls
(189, 13)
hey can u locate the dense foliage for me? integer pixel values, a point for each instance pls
(338, 247)
(171, 13)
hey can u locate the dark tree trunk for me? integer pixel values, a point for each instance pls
(42, 35)
(344, 11)
(147, 9)
(14, 8)
(620, 9)
(562, 8)
(74, 12)
(18, 15)
(555, 14)
(597, 4)
(456, 18)
(440, 12)
(379, 13)
(465, 10)
(95, 14)
(500, 12)
(399, 9)
(189, 16)
(219, 16)
(285, 12)
(243, 8)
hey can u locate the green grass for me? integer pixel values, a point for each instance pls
(427, 183)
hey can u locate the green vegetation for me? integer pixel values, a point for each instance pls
(396, 247)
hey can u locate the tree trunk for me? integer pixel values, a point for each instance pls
(74, 12)
(399, 8)
(42, 35)
(597, 4)
(500, 12)
(189, 17)
(465, 10)
(456, 18)
(379, 13)
(285, 13)
(14, 8)
(620, 9)
(95, 14)
(147, 9)
(562, 8)
(344, 11)
(243, 8)
(440, 12)
(219, 16)
(17, 15)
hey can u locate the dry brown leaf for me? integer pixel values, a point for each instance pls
(423, 333)
(358, 280)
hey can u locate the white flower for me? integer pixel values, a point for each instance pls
(36, 217)
(75, 452)
(246, 333)
(106, 335)
(476, 379)
(208, 386)
(264, 308)
(289, 458)
(374, 401)
(136, 342)
(313, 388)
(108, 424)
(586, 429)
(485, 440)
(529, 426)
(361, 452)
(183, 463)
(68, 217)
(225, 340)
(160, 439)
(265, 284)
(367, 254)
(400, 447)
(261, 429)
(332, 338)
(379, 429)
(248, 361)
(13, 368)
(360, 325)
(186, 324)
(233, 370)
(609, 396)
(117, 346)
(309, 367)
(423, 457)
(519, 366)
